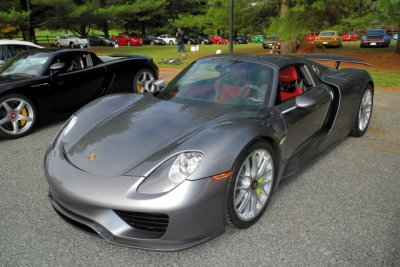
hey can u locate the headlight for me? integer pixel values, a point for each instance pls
(171, 173)
(184, 166)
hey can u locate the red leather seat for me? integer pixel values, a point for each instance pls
(289, 75)
(225, 89)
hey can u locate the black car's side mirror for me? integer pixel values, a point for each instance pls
(305, 102)
(56, 68)
(154, 86)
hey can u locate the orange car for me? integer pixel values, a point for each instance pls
(328, 39)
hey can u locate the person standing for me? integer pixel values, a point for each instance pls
(180, 40)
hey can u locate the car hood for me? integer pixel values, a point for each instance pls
(146, 130)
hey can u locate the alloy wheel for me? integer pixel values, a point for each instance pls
(253, 184)
(16, 116)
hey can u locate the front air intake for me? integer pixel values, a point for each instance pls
(151, 222)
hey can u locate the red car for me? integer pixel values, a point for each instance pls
(125, 39)
(350, 37)
(218, 40)
(310, 37)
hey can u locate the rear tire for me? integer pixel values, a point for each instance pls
(17, 116)
(364, 112)
(251, 184)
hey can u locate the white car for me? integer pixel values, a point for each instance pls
(168, 39)
(9, 48)
(70, 40)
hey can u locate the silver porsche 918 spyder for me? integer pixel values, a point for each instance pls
(169, 169)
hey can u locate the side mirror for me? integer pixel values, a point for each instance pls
(305, 102)
(154, 86)
(56, 68)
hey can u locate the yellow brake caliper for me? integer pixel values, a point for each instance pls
(24, 112)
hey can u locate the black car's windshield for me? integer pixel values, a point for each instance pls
(222, 81)
(26, 64)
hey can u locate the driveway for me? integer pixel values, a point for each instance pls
(343, 210)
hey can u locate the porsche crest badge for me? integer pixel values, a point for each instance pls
(92, 156)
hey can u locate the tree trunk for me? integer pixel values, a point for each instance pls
(105, 30)
(284, 8)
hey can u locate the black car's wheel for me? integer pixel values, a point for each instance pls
(17, 116)
(141, 80)
(364, 112)
(250, 187)
(71, 44)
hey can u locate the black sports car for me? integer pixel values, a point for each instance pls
(152, 40)
(41, 84)
(169, 170)
(95, 40)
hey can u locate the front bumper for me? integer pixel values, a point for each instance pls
(194, 210)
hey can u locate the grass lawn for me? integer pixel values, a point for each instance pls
(385, 68)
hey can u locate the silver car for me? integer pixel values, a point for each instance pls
(169, 169)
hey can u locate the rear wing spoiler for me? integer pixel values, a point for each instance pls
(335, 58)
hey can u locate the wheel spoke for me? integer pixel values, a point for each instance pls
(21, 105)
(15, 129)
(244, 203)
(4, 120)
(24, 118)
(6, 106)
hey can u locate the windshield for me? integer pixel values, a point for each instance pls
(222, 81)
(25, 64)
(327, 34)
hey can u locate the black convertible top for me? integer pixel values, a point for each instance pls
(283, 60)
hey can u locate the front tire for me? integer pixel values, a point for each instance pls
(141, 80)
(364, 112)
(251, 184)
(17, 116)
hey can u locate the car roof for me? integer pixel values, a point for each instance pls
(17, 42)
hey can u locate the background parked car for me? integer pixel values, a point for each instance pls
(125, 39)
(310, 37)
(204, 39)
(258, 38)
(376, 38)
(101, 40)
(328, 39)
(270, 41)
(168, 38)
(9, 48)
(218, 40)
(191, 39)
(240, 40)
(152, 40)
(70, 40)
(351, 36)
